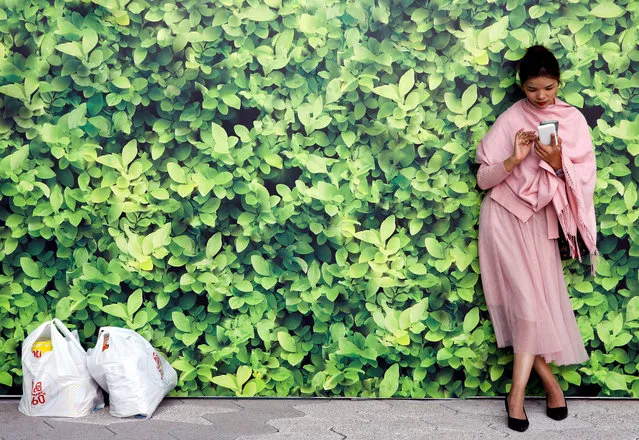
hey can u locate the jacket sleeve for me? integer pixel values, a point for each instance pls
(491, 175)
(491, 154)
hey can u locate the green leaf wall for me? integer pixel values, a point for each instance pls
(281, 194)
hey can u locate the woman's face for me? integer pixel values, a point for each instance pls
(541, 90)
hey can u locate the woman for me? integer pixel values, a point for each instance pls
(534, 190)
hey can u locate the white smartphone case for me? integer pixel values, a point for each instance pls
(545, 131)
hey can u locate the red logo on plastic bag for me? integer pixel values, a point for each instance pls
(38, 396)
(158, 364)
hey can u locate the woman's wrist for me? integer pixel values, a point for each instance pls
(511, 163)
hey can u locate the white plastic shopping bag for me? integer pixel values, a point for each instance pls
(56, 381)
(134, 374)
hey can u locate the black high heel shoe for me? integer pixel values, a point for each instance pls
(558, 413)
(519, 425)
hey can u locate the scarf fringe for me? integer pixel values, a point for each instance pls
(582, 228)
(571, 231)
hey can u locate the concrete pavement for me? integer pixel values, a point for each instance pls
(332, 419)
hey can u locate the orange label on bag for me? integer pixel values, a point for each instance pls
(40, 347)
(158, 364)
(38, 396)
(105, 342)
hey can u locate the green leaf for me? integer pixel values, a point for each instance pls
(141, 319)
(471, 320)
(434, 80)
(77, 116)
(6, 379)
(110, 160)
(30, 267)
(388, 91)
(250, 389)
(176, 172)
(243, 374)
(390, 383)
(459, 187)
(259, 13)
(226, 381)
(162, 299)
(182, 365)
(181, 322)
(102, 124)
(129, 152)
(469, 97)
(349, 138)
(316, 164)
(121, 82)
(369, 236)
(286, 341)
(56, 198)
(625, 129)
(74, 49)
(134, 302)
(387, 228)
(496, 372)
(309, 24)
(418, 269)
(314, 273)
(14, 90)
(572, 377)
(139, 55)
(575, 99)
(333, 90)
(616, 381)
(607, 9)
(232, 101)
(260, 265)
(220, 139)
(630, 196)
(583, 287)
(536, 11)
(89, 40)
(284, 42)
(18, 157)
(434, 247)
(213, 245)
(63, 308)
(632, 309)
(358, 270)
(118, 310)
(453, 103)
(406, 82)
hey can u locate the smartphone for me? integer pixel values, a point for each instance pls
(544, 131)
(555, 122)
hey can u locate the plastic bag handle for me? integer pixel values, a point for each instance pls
(59, 325)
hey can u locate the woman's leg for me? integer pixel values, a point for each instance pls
(522, 365)
(551, 386)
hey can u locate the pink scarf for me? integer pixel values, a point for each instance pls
(534, 181)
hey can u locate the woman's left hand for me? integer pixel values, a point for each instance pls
(550, 153)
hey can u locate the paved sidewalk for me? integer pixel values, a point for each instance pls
(332, 419)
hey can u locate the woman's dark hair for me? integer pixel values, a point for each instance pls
(538, 61)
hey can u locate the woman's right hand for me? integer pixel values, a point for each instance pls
(524, 141)
(523, 144)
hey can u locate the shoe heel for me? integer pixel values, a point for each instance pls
(558, 413)
(519, 425)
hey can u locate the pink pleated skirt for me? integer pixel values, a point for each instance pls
(524, 286)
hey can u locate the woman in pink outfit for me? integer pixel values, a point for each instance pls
(534, 193)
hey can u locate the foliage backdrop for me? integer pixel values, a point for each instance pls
(281, 194)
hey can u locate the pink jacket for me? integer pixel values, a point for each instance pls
(533, 185)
